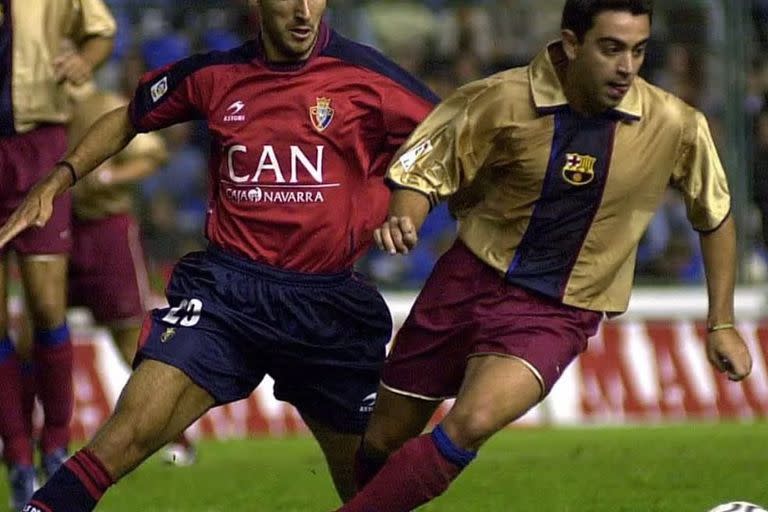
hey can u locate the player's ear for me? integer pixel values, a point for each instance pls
(570, 44)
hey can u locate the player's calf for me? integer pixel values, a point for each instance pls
(368, 462)
(416, 473)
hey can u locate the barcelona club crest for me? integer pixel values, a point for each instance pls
(579, 169)
(321, 114)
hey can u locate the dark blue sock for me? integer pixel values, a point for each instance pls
(52, 337)
(77, 486)
(7, 349)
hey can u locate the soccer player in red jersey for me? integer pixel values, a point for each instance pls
(35, 71)
(303, 125)
(554, 171)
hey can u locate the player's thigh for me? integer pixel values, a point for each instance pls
(396, 419)
(158, 392)
(496, 391)
(126, 338)
(157, 403)
(45, 284)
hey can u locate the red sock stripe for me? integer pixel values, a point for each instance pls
(74, 465)
(96, 469)
(40, 506)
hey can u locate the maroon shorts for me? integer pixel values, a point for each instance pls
(107, 272)
(24, 160)
(467, 309)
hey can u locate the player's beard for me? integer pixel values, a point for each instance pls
(286, 49)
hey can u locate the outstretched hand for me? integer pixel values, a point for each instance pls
(35, 210)
(396, 235)
(728, 353)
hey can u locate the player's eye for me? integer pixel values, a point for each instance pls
(612, 50)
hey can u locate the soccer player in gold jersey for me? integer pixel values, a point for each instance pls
(554, 171)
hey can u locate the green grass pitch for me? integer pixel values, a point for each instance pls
(684, 468)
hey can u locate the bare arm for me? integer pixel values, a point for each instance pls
(725, 348)
(107, 137)
(407, 211)
(77, 67)
(132, 171)
(111, 133)
(719, 251)
(95, 50)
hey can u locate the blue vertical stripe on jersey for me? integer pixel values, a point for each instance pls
(6, 71)
(564, 212)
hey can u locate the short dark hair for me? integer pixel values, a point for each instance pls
(579, 15)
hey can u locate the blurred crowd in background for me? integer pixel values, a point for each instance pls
(448, 43)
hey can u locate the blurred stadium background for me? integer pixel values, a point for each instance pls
(647, 367)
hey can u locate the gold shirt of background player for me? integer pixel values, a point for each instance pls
(38, 96)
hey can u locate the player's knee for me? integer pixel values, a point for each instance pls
(380, 447)
(47, 312)
(469, 429)
(384, 441)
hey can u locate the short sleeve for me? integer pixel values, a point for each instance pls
(170, 95)
(700, 177)
(95, 19)
(447, 150)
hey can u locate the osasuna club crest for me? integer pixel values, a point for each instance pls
(321, 114)
(579, 169)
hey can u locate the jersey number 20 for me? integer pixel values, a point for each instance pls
(186, 314)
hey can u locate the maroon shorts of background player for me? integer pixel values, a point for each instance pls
(107, 273)
(26, 159)
(467, 309)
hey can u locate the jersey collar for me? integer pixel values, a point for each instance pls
(548, 94)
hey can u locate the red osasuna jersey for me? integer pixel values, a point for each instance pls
(298, 152)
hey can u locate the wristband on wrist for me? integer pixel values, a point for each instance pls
(720, 327)
(71, 169)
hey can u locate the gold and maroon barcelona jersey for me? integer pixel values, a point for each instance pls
(556, 201)
(299, 152)
(31, 37)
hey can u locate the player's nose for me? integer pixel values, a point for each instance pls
(302, 9)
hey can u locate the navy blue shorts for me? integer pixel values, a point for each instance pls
(231, 321)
